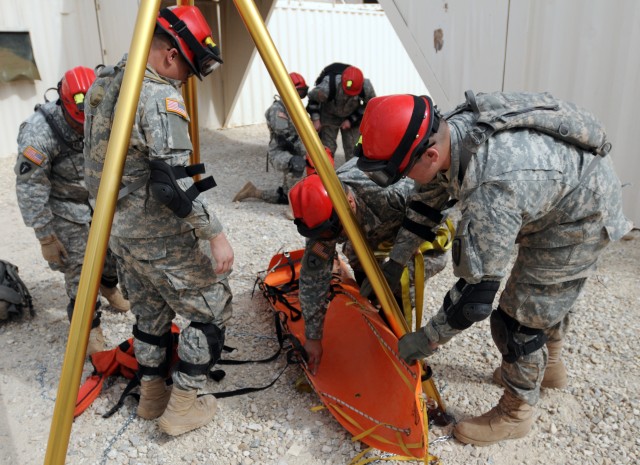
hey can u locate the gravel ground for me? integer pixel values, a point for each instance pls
(596, 420)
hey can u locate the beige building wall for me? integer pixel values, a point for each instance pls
(582, 51)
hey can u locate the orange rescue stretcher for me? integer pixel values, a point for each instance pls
(361, 380)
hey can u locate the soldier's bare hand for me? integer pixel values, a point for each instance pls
(317, 124)
(314, 352)
(346, 124)
(222, 253)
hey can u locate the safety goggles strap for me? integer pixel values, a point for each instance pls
(199, 51)
(409, 137)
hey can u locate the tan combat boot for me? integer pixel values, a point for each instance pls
(555, 374)
(115, 298)
(510, 419)
(96, 341)
(154, 397)
(249, 191)
(186, 411)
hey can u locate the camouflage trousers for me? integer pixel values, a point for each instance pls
(74, 238)
(279, 160)
(169, 276)
(540, 293)
(329, 135)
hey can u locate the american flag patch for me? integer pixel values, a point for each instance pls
(321, 250)
(176, 106)
(32, 154)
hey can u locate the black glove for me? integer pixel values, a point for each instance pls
(392, 272)
(297, 164)
(414, 346)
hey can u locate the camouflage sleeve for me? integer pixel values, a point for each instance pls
(486, 233)
(315, 281)
(166, 125)
(369, 91)
(422, 216)
(32, 169)
(317, 96)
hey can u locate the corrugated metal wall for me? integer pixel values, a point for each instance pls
(309, 36)
(585, 52)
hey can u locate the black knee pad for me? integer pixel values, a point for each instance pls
(475, 303)
(504, 329)
(165, 341)
(215, 341)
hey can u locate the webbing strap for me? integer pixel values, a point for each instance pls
(280, 339)
(135, 381)
(133, 186)
(76, 145)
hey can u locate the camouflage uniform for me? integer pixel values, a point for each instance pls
(380, 212)
(51, 192)
(523, 187)
(284, 143)
(168, 265)
(332, 113)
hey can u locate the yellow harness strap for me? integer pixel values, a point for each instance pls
(442, 242)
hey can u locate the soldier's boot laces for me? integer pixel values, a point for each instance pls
(96, 341)
(186, 411)
(510, 419)
(555, 375)
(249, 191)
(115, 298)
(154, 397)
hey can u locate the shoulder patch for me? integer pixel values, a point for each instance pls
(282, 115)
(176, 106)
(25, 167)
(35, 156)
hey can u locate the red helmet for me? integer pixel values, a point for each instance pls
(395, 131)
(352, 80)
(312, 169)
(313, 211)
(192, 36)
(300, 84)
(72, 88)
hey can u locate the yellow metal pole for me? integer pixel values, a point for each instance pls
(260, 35)
(99, 234)
(190, 95)
(258, 31)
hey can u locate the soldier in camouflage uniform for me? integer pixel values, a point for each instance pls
(286, 153)
(52, 195)
(528, 184)
(172, 246)
(380, 213)
(337, 103)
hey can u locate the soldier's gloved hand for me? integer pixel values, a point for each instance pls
(297, 165)
(415, 346)
(52, 250)
(392, 272)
